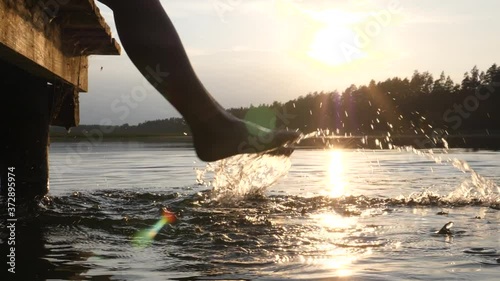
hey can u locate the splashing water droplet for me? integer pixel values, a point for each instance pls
(242, 176)
(445, 143)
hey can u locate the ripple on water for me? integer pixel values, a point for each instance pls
(287, 234)
(485, 255)
(481, 251)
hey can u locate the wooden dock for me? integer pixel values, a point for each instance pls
(44, 50)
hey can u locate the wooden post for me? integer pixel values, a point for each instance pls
(43, 41)
(25, 105)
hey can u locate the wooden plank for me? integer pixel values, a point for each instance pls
(81, 19)
(41, 40)
(65, 108)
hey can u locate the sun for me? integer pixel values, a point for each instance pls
(332, 42)
(330, 37)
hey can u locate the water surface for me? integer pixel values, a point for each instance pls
(336, 215)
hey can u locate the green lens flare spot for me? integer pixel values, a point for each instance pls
(261, 116)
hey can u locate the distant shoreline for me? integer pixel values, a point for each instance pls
(488, 142)
(114, 138)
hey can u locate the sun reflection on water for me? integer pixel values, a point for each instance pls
(332, 231)
(334, 221)
(337, 184)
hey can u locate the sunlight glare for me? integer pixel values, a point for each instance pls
(333, 36)
(326, 37)
(337, 261)
(334, 221)
(336, 184)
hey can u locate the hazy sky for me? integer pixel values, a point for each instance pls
(258, 51)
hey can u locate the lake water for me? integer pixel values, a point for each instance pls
(334, 215)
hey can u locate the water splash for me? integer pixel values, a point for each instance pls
(243, 176)
(475, 189)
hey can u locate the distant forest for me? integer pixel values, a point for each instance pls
(420, 106)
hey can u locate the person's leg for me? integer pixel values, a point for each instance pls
(153, 45)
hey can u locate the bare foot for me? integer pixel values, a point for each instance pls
(229, 136)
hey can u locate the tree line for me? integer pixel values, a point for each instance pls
(418, 106)
(402, 106)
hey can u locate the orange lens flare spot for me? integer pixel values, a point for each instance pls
(169, 216)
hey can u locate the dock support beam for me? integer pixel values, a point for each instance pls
(25, 104)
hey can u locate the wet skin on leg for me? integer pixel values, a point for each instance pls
(153, 45)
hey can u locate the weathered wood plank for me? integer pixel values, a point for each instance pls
(65, 108)
(75, 20)
(38, 37)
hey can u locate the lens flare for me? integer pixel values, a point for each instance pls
(145, 237)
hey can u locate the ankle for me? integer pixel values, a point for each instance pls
(211, 121)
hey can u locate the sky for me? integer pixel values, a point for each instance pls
(259, 51)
